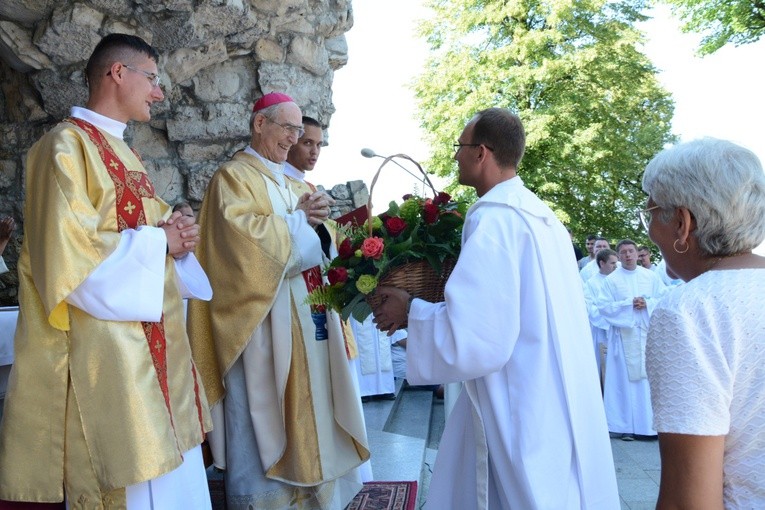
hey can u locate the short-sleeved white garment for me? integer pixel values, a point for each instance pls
(705, 360)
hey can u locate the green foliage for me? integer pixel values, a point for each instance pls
(721, 22)
(592, 107)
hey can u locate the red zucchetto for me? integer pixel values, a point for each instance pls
(271, 99)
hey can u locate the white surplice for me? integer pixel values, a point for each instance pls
(375, 364)
(529, 429)
(599, 327)
(626, 393)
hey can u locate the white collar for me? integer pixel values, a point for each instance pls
(276, 168)
(291, 170)
(102, 122)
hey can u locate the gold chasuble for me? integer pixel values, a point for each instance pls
(93, 406)
(304, 407)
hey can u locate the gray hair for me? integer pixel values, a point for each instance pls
(722, 184)
(269, 112)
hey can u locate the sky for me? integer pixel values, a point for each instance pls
(717, 95)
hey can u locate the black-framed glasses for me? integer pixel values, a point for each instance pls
(645, 216)
(458, 146)
(153, 77)
(289, 128)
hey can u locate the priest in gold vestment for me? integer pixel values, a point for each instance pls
(105, 407)
(289, 428)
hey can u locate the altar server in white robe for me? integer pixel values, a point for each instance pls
(599, 327)
(626, 301)
(591, 268)
(528, 430)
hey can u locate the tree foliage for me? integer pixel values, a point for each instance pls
(721, 22)
(593, 110)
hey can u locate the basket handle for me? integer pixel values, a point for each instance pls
(377, 174)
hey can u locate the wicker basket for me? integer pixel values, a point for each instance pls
(418, 278)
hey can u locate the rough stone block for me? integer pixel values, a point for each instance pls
(229, 81)
(150, 143)
(17, 50)
(71, 34)
(309, 54)
(267, 50)
(184, 63)
(340, 192)
(8, 171)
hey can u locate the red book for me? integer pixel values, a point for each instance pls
(356, 217)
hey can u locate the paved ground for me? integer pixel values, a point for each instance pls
(404, 437)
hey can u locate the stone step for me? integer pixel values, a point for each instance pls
(398, 434)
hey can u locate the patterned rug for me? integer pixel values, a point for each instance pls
(374, 496)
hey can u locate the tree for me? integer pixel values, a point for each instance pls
(593, 110)
(732, 21)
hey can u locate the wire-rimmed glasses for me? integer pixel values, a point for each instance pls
(289, 128)
(153, 78)
(457, 146)
(645, 216)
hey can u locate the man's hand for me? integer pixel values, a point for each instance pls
(638, 303)
(391, 314)
(7, 226)
(182, 234)
(316, 207)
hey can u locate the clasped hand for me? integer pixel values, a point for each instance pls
(316, 207)
(182, 234)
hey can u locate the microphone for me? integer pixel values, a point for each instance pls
(369, 153)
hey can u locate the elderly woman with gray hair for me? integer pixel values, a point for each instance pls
(705, 355)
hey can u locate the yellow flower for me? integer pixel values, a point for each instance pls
(366, 283)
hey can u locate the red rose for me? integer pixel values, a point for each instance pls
(395, 226)
(407, 196)
(430, 213)
(345, 250)
(442, 198)
(337, 275)
(372, 248)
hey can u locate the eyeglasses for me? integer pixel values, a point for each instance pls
(458, 146)
(645, 215)
(153, 78)
(289, 128)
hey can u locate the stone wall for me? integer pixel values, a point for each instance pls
(217, 56)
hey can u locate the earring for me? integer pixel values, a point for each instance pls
(674, 246)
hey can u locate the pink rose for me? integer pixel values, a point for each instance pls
(395, 226)
(345, 250)
(442, 198)
(372, 248)
(430, 213)
(337, 275)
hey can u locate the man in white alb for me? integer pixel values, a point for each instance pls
(528, 429)
(626, 300)
(600, 328)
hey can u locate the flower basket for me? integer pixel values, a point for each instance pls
(412, 246)
(417, 278)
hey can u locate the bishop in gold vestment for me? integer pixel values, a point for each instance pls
(288, 424)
